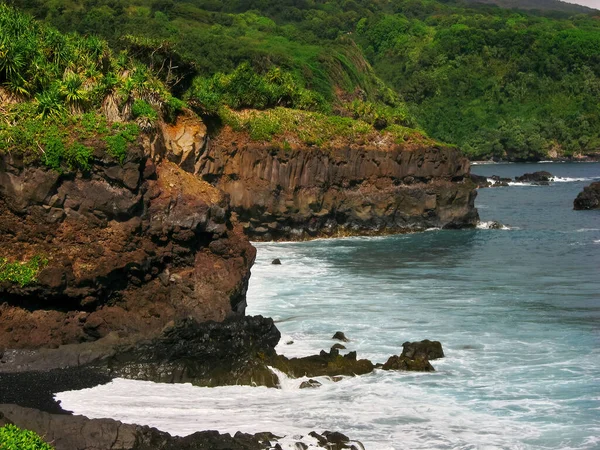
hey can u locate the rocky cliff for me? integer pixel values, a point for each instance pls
(298, 192)
(129, 247)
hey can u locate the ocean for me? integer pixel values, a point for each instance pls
(517, 311)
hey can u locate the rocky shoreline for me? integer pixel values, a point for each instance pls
(143, 265)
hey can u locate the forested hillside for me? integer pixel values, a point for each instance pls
(539, 5)
(495, 82)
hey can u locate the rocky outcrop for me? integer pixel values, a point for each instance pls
(589, 198)
(301, 193)
(535, 177)
(415, 356)
(78, 432)
(423, 349)
(130, 249)
(283, 192)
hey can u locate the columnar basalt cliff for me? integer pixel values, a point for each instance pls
(299, 192)
(130, 248)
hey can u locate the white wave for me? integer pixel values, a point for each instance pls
(597, 241)
(571, 179)
(585, 230)
(489, 224)
(404, 418)
(522, 183)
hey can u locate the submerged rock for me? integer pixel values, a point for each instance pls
(589, 198)
(310, 384)
(417, 364)
(535, 177)
(340, 336)
(276, 262)
(325, 364)
(423, 349)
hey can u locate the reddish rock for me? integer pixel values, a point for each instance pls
(129, 248)
(305, 192)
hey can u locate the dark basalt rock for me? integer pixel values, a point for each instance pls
(324, 364)
(78, 432)
(338, 347)
(276, 262)
(310, 384)
(495, 226)
(535, 177)
(419, 364)
(480, 181)
(589, 198)
(340, 336)
(423, 349)
(235, 351)
(500, 184)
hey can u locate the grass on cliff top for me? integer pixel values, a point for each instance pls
(59, 142)
(290, 126)
(21, 273)
(13, 438)
(54, 88)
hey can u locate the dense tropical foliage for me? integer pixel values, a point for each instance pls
(13, 438)
(496, 82)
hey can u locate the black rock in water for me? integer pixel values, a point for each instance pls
(535, 177)
(340, 336)
(310, 384)
(276, 262)
(423, 349)
(417, 364)
(589, 198)
(480, 180)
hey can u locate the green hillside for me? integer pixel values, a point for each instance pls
(540, 5)
(494, 81)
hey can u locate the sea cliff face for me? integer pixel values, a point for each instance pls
(301, 192)
(130, 248)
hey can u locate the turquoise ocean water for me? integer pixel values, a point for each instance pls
(517, 311)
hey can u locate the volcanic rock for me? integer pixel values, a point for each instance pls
(423, 349)
(129, 250)
(340, 336)
(540, 176)
(589, 198)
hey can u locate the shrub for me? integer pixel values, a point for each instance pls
(142, 109)
(116, 145)
(22, 274)
(78, 156)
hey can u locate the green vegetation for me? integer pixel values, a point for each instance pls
(52, 88)
(13, 438)
(22, 274)
(312, 128)
(244, 88)
(496, 82)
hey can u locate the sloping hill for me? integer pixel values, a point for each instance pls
(541, 5)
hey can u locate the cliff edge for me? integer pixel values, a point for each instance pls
(284, 189)
(124, 248)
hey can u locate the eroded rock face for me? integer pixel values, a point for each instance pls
(302, 193)
(130, 248)
(589, 198)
